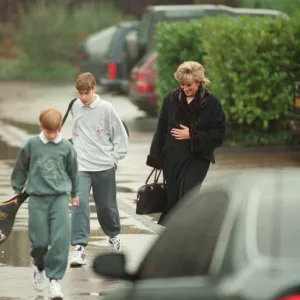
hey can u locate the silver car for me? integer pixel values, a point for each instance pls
(239, 239)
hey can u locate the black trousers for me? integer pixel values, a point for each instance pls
(181, 181)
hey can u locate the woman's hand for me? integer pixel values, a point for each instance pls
(181, 134)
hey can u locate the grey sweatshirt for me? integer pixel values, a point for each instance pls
(98, 135)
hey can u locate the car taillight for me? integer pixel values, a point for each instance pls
(112, 71)
(142, 84)
(290, 297)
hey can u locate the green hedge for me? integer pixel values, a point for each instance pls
(247, 60)
(287, 6)
(176, 43)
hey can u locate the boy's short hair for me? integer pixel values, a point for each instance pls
(85, 82)
(51, 119)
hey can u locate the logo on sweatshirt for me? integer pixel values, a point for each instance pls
(99, 130)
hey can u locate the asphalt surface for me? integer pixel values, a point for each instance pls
(20, 104)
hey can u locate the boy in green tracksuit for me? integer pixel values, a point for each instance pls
(48, 164)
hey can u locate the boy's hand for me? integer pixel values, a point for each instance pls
(75, 201)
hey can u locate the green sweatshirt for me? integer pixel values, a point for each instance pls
(49, 168)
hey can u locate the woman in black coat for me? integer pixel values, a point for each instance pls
(190, 127)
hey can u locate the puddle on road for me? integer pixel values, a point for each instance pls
(123, 189)
(98, 234)
(15, 250)
(7, 151)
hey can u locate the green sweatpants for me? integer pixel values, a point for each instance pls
(49, 233)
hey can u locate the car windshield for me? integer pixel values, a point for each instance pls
(278, 222)
(99, 42)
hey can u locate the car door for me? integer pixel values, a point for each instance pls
(177, 265)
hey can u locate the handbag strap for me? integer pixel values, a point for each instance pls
(157, 173)
(68, 111)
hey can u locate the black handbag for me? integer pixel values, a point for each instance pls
(152, 197)
(8, 211)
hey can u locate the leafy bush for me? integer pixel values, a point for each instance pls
(48, 37)
(289, 7)
(176, 42)
(248, 60)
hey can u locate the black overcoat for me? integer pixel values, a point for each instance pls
(186, 162)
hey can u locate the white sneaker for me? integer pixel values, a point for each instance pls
(38, 279)
(55, 290)
(114, 243)
(78, 257)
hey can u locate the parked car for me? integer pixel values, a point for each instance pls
(143, 41)
(102, 54)
(238, 239)
(142, 89)
(294, 113)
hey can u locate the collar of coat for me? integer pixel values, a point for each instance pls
(201, 97)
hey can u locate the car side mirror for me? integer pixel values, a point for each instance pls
(112, 265)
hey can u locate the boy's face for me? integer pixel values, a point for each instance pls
(50, 135)
(87, 97)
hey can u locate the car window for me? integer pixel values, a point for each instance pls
(99, 42)
(190, 14)
(117, 43)
(186, 246)
(183, 15)
(144, 26)
(278, 223)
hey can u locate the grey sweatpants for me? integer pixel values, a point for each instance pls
(103, 184)
(49, 225)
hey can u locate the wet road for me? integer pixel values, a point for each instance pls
(20, 105)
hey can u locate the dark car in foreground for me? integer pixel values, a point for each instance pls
(236, 239)
(102, 54)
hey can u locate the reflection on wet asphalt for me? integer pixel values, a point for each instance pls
(7, 152)
(79, 283)
(30, 128)
(15, 251)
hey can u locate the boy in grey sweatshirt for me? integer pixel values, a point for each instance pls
(100, 141)
(48, 164)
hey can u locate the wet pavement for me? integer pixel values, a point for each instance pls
(20, 105)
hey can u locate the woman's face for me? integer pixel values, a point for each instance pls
(190, 89)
